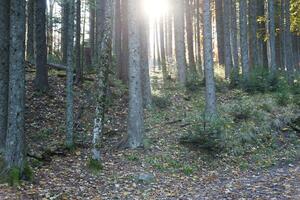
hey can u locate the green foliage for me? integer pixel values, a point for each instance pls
(14, 177)
(132, 157)
(261, 80)
(207, 134)
(27, 173)
(193, 85)
(95, 165)
(161, 102)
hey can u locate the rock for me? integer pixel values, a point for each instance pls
(145, 177)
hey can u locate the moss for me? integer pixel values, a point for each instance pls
(95, 165)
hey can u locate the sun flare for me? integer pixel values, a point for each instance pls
(155, 8)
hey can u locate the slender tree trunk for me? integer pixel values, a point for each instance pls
(288, 43)
(50, 27)
(198, 29)
(162, 49)
(15, 141)
(210, 94)
(69, 91)
(125, 50)
(227, 46)
(220, 31)
(156, 29)
(4, 69)
(179, 41)
(145, 76)
(253, 53)
(65, 29)
(79, 69)
(135, 114)
(30, 31)
(234, 42)
(244, 39)
(104, 64)
(92, 8)
(270, 27)
(189, 34)
(118, 38)
(41, 77)
(170, 34)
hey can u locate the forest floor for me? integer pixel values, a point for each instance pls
(164, 169)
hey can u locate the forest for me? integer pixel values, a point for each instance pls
(149, 99)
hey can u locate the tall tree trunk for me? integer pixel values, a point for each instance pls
(170, 34)
(198, 29)
(253, 53)
(220, 31)
(79, 69)
(244, 39)
(30, 31)
(189, 35)
(15, 141)
(157, 37)
(234, 42)
(104, 61)
(288, 43)
(210, 94)
(50, 27)
(162, 49)
(135, 113)
(227, 46)
(118, 38)
(69, 91)
(179, 41)
(65, 29)
(125, 50)
(145, 76)
(92, 8)
(270, 27)
(4, 69)
(41, 77)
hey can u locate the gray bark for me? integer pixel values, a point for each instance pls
(220, 31)
(253, 52)
(65, 29)
(30, 31)
(234, 42)
(210, 94)
(189, 35)
(144, 41)
(227, 46)
(79, 69)
(4, 68)
(162, 49)
(288, 43)
(179, 41)
(135, 114)
(69, 90)
(270, 27)
(244, 39)
(41, 76)
(118, 37)
(104, 64)
(50, 27)
(198, 29)
(92, 27)
(15, 151)
(124, 63)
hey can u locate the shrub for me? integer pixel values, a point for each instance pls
(161, 102)
(207, 134)
(193, 85)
